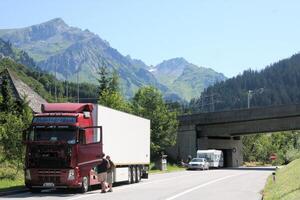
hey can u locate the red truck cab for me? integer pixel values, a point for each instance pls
(62, 148)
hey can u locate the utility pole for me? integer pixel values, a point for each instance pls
(212, 103)
(55, 87)
(78, 85)
(67, 90)
(202, 104)
(249, 97)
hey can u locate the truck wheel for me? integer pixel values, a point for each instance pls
(138, 174)
(134, 174)
(84, 185)
(130, 179)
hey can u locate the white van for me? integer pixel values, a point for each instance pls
(213, 156)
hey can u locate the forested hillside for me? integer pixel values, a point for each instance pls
(277, 84)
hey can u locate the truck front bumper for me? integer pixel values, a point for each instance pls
(50, 178)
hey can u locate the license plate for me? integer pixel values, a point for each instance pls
(48, 185)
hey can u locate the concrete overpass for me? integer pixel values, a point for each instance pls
(222, 130)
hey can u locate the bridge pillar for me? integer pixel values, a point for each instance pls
(185, 145)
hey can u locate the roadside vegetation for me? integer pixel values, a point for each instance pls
(258, 148)
(10, 176)
(287, 184)
(15, 117)
(170, 168)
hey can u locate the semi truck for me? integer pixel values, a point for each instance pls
(66, 141)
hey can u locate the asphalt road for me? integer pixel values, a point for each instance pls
(231, 184)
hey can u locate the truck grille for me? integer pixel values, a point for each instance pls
(49, 179)
(49, 176)
(49, 156)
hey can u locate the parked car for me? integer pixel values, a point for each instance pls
(198, 163)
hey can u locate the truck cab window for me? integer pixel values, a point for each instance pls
(53, 134)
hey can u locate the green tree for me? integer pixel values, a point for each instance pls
(148, 103)
(114, 100)
(114, 83)
(104, 79)
(7, 103)
(15, 117)
(109, 92)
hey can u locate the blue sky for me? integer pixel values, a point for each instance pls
(228, 36)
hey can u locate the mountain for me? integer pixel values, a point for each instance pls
(184, 78)
(57, 47)
(69, 52)
(19, 56)
(277, 84)
(17, 61)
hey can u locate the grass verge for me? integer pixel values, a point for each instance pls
(286, 185)
(9, 179)
(170, 168)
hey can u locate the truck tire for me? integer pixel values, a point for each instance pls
(130, 178)
(84, 185)
(138, 174)
(134, 174)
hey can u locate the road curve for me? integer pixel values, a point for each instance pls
(233, 184)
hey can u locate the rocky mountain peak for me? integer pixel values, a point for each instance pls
(56, 23)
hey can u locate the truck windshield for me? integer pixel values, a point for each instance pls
(53, 134)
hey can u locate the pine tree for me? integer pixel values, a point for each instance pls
(7, 103)
(104, 79)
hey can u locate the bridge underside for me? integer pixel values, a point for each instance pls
(240, 128)
(222, 130)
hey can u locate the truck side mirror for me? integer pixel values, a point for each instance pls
(82, 139)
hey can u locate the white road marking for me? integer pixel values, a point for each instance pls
(202, 185)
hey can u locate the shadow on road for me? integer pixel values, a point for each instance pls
(57, 192)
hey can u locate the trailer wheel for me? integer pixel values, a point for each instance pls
(130, 178)
(138, 174)
(84, 185)
(134, 174)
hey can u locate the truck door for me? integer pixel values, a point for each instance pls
(89, 149)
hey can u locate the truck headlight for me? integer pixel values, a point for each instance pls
(27, 174)
(71, 175)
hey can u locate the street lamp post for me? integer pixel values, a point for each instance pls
(250, 92)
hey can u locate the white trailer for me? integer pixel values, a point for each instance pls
(126, 139)
(213, 156)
